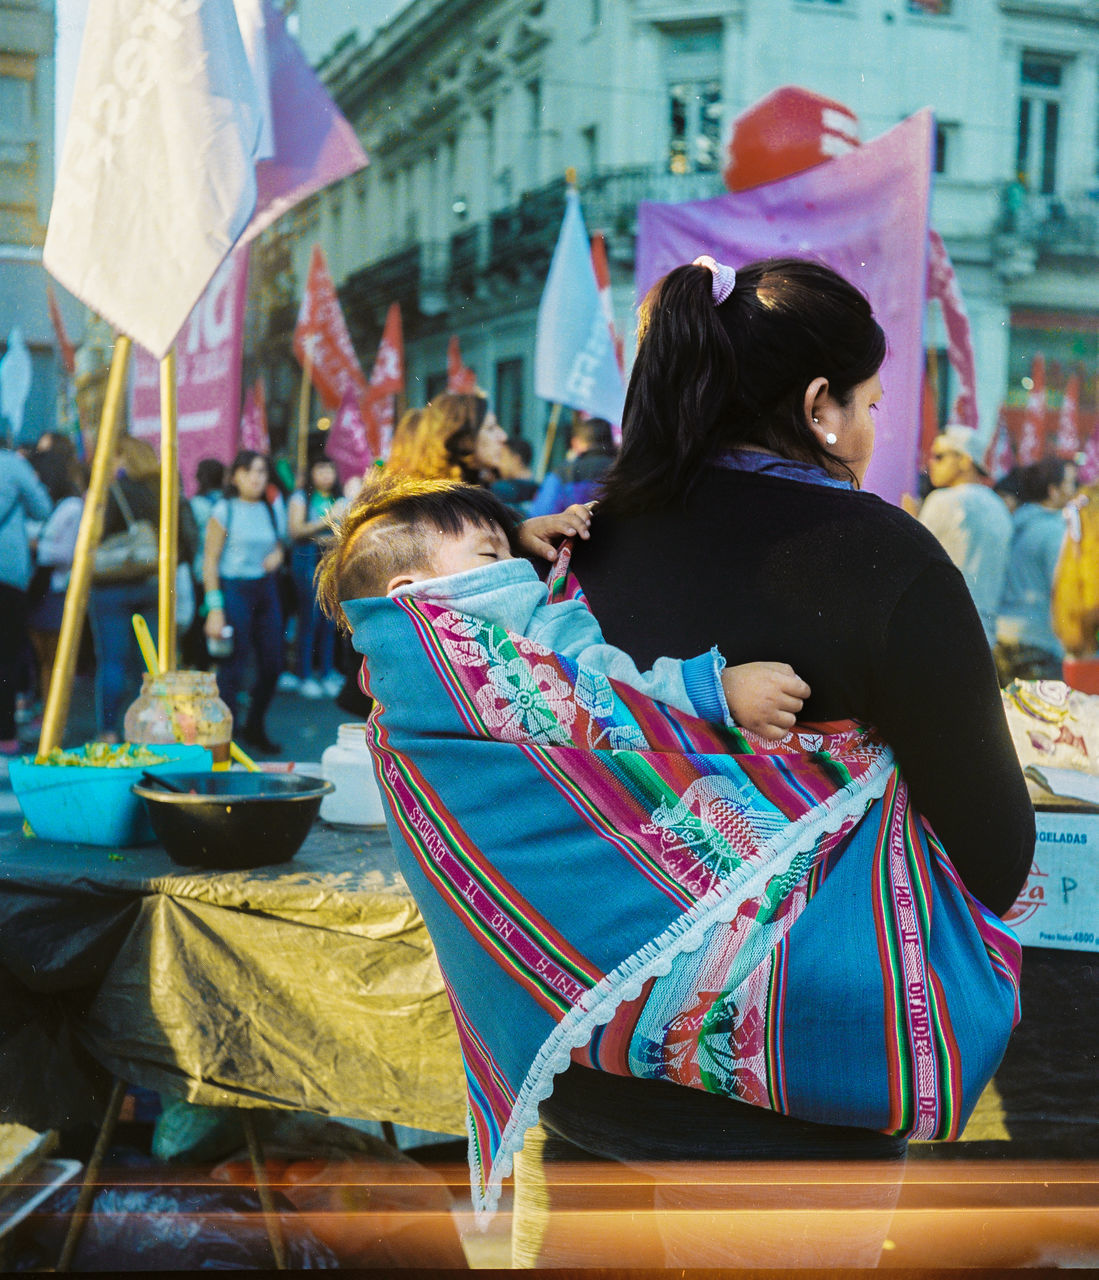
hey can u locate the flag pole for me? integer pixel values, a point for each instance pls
(551, 436)
(87, 539)
(303, 418)
(168, 557)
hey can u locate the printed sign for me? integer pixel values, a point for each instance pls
(1059, 904)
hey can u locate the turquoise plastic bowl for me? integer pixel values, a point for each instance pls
(94, 806)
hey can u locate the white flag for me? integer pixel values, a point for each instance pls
(157, 177)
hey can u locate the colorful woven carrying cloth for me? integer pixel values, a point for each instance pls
(611, 882)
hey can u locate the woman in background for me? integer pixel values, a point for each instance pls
(308, 516)
(244, 552)
(54, 546)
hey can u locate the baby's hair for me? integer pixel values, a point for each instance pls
(393, 527)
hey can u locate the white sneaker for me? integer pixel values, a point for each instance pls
(332, 684)
(311, 689)
(288, 682)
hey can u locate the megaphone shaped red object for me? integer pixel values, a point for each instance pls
(789, 130)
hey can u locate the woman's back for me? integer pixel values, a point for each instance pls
(864, 605)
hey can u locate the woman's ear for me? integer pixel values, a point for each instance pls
(818, 405)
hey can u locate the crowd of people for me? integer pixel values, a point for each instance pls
(1006, 539)
(249, 545)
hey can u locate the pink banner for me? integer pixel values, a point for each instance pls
(347, 444)
(866, 215)
(208, 361)
(942, 284)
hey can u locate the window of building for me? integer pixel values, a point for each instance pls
(508, 401)
(946, 146)
(436, 384)
(694, 107)
(534, 132)
(595, 12)
(589, 148)
(16, 105)
(1040, 93)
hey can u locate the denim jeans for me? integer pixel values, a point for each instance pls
(118, 666)
(253, 610)
(316, 633)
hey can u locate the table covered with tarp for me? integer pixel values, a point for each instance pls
(311, 985)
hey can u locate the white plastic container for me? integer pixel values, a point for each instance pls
(347, 764)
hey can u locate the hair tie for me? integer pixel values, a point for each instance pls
(723, 277)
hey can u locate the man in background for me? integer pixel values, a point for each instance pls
(970, 520)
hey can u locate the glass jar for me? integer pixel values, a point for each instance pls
(181, 706)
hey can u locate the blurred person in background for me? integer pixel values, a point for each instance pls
(23, 497)
(455, 437)
(308, 515)
(209, 478)
(1026, 646)
(111, 605)
(244, 552)
(971, 522)
(516, 485)
(54, 545)
(579, 478)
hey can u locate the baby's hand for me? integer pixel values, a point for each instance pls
(764, 697)
(536, 533)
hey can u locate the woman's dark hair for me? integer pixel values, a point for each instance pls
(209, 474)
(318, 460)
(243, 461)
(59, 473)
(1036, 480)
(709, 378)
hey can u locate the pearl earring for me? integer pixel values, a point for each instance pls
(830, 438)
(816, 421)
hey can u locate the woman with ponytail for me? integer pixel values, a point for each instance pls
(735, 515)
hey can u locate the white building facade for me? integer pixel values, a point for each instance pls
(471, 110)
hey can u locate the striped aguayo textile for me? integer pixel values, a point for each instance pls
(611, 882)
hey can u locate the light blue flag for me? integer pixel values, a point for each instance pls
(574, 358)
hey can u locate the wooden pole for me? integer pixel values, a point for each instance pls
(169, 514)
(303, 420)
(87, 539)
(547, 447)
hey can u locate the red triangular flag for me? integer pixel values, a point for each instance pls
(386, 381)
(460, 378)
(321, 337)
(1000, 457)
(1032, 439)
(347, 443)
(253, 421)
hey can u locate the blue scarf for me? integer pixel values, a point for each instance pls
(770, 464)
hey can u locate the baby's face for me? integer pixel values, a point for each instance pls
(473, 547)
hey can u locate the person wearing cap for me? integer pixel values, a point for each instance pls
(969, 519)
(1027, 647)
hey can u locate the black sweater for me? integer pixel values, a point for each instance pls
(865, 605)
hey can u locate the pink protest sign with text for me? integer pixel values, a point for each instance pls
(866, 215)
(208, 360)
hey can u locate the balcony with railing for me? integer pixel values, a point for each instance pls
(1053, 225)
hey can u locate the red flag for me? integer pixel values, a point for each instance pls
(1068, 426)
(460, 378)
(64, 346)
(253, 421)
(386, 381)
(786, 132)
(1032, 440)
(942, 284)
(347, 443)
(1000, 457)
(322, 339)
(603, 280)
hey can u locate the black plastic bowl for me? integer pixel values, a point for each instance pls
(231, 821)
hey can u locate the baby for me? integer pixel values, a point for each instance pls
(457, 545)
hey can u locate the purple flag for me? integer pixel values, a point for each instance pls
(314, 144)
(866, 215)
(348, 445)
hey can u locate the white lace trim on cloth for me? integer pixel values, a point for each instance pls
(654, 960)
